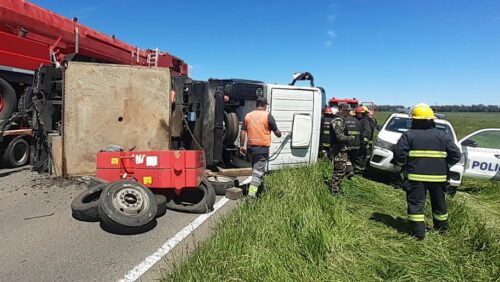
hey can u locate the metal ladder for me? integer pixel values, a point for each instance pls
(153, 57)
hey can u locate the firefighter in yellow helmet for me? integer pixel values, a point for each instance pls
(425, 155)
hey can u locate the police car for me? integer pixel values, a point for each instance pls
(480, 150)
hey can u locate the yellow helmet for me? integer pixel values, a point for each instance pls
(422, 111)
(365, 108)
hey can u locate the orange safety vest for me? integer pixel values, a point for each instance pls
(257, 124)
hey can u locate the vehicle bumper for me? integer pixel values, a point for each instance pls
(381, 159)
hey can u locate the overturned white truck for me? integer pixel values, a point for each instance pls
(82, 107)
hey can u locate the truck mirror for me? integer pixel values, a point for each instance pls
(469, 143)
(301, 131)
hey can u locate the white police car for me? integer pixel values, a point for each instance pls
(480, 158)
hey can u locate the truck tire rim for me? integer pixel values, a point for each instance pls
(130, 201)
(20, 153)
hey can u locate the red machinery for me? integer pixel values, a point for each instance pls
(334, 102)
(154, 169)
(32, 36)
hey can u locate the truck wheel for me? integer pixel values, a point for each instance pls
(127, 206)
(8, 100)
(161, 202)
(85, 206)
(17, 153)
(199, 200)
(221, 183)
(26, 100)
(231, 127)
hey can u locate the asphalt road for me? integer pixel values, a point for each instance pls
(40, 241)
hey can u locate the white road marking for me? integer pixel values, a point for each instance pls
(147, 263)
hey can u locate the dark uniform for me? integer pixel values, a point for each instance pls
(425, 154)
(338, 147)
(366, 136)
(353, 128)
(325, 135)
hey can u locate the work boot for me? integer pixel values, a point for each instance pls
(252, 191)
(350, 175)
(441, 226)
(418, 229)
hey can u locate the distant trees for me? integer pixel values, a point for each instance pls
(446, 108)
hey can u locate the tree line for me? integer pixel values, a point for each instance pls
(445, 108)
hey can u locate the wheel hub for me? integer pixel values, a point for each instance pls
(129, 201)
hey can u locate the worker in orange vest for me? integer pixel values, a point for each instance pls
(258, 125)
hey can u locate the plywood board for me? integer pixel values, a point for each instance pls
(112, 104)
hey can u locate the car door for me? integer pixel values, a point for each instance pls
(481, 151)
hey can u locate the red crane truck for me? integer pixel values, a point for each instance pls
(32, 36)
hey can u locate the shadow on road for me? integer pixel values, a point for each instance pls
(8, 171)
(119, 230)
(400, 224)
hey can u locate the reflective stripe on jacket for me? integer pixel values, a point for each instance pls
(353, 128)
(425, 154)
(257, 125)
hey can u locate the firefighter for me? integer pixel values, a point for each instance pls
(353, 128)
(325, 130)
(338, 146)
(258, 125)
(366, 134)
(425, 155)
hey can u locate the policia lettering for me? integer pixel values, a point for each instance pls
(425, 155)
(485, 166)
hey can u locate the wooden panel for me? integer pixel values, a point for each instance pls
(112, 104)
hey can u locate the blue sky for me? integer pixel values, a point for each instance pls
(390, 52)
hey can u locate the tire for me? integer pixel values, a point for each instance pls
(202, 205)
(127, 206)
(17, 153)
(8, 99)
(161, 202)
(231, 127)
(221, 183)
(26, 100)
(85, 206)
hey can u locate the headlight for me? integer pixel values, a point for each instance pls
(384, 144)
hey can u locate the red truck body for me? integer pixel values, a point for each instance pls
(30, 34)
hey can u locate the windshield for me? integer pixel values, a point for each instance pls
(402, 124)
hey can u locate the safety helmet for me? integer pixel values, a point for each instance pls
(328, 111)
(422, 111)
(359, 110)
(366, 109)
(334, 110)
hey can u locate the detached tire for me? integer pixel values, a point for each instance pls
(85, 206)
(221, 183)
(17, 153)
(127, 206)
(8, 99)
(161, 202)
(204, 199)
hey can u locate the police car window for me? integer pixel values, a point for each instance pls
(487, 139)
(401, 124)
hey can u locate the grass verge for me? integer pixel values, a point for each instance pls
(298, 232)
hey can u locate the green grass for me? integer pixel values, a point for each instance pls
(298, 232)
(463, 123)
